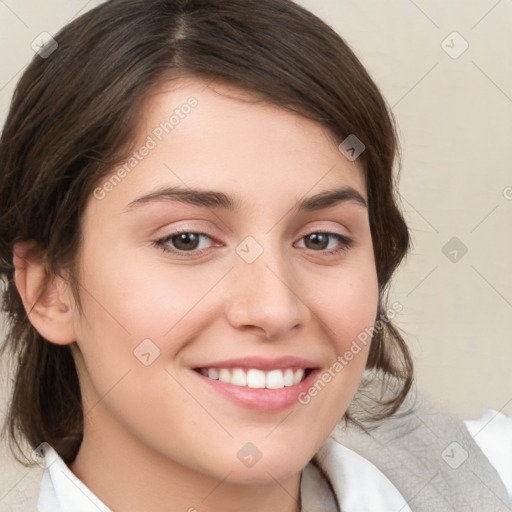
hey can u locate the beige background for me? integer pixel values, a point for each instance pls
(454, 110)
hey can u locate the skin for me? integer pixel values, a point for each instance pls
(156, 438)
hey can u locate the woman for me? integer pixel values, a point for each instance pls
(197, 274)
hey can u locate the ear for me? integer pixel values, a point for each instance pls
(49, 308)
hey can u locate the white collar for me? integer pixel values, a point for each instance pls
(358, 485)
(61, 490)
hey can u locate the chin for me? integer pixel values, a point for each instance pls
(264, 465)
(263, 473)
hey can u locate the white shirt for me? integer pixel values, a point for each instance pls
(349, 474)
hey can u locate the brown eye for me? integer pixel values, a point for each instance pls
(320, 241)
(184, 242)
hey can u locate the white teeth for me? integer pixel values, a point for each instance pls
(213, 373)
(239, 378)
(297, 376)
(224, 375)
(275, 379)
(256, 379)
(288, 377)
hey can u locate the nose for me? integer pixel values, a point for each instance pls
(265, 297)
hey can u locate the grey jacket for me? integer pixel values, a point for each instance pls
(426, 452)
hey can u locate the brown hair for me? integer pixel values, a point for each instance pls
(73, 115)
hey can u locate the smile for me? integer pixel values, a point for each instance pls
(255, 378)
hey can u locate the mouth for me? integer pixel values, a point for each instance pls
(256, 378)
(259, 383)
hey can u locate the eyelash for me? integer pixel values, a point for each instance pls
(162, 243)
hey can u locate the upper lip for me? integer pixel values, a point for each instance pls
(261, 363)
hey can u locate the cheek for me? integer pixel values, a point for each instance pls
(136, 295)
(139, 314)
(346, 307)
(347, 304)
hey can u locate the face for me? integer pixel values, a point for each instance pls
(216, 292)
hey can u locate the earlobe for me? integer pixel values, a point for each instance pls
(46, 300)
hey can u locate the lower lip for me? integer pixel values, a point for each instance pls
(261, 399)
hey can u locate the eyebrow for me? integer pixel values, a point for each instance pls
(215, 199)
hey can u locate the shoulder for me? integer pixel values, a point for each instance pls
(493, 434)
(427, 452)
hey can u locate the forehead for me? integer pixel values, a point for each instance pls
(213, 135)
